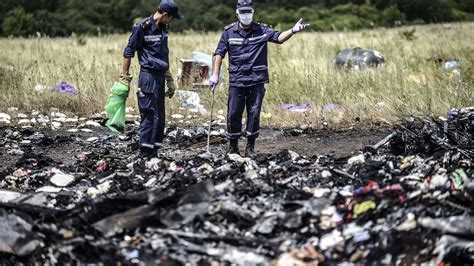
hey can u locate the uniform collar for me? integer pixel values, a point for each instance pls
(237, 27)
(154, 26)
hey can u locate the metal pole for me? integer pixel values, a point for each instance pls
(210, 120)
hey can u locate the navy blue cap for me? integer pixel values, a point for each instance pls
(244, 5)
(171, 7)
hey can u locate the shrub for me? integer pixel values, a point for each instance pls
(391, 16)
(18, 23)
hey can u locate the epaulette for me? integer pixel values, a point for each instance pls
(146, 24)
(262, 24)
(229, 26)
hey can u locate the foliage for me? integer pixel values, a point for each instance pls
(391, 16)
(64, 17)
(18, 23)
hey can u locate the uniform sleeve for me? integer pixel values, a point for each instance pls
(134, 42)
(273, 35)
(223, 46)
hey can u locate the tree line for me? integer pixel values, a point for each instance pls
(96, 17)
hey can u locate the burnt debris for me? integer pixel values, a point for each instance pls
(100, 202)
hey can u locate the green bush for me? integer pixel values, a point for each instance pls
(369, 13)
(320, 25)
(18, 23)
(391, 16)
(349, 22)
(309, 13)
(459, 15)
(63, 17)
(217, 17)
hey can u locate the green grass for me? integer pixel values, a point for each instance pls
(301, 71)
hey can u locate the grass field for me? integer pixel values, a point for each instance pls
(301, 71)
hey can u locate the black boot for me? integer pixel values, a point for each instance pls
(234, 147)
(147, 153)
(250, 149)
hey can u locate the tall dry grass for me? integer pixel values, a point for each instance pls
(301, 71)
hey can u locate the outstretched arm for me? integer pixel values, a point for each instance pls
(286, 35)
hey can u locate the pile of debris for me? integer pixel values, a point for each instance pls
(107, 205)
(358, 58)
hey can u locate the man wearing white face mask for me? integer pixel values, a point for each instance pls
(246, 42)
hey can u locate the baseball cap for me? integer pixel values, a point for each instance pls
(172, 8)
(244, 5)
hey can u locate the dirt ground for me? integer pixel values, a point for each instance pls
(339, 144)
(62, 145)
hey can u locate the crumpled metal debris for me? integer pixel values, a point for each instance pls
(456, 225)
(358, 58)
(16, 235)
(448, 244)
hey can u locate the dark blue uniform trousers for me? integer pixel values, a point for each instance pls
(240, 98)
(151, 102)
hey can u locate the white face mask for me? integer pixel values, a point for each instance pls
(246, 18)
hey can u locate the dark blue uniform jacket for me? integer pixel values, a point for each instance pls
(248, 60)
(151, 43)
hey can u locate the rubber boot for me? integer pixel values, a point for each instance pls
(250, 149)
(234, 147)
(147, 153)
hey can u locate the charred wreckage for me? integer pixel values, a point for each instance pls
(406, 199)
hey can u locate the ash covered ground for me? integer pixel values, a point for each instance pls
(398, 195)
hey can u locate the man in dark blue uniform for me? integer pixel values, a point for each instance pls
(150, 39)
(246, 42)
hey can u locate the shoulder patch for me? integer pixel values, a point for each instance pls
(262, 24)
(229, 26)
(146, 24)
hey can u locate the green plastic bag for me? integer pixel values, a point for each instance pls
(115, 107)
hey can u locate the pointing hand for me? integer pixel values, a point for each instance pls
(299, 26)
